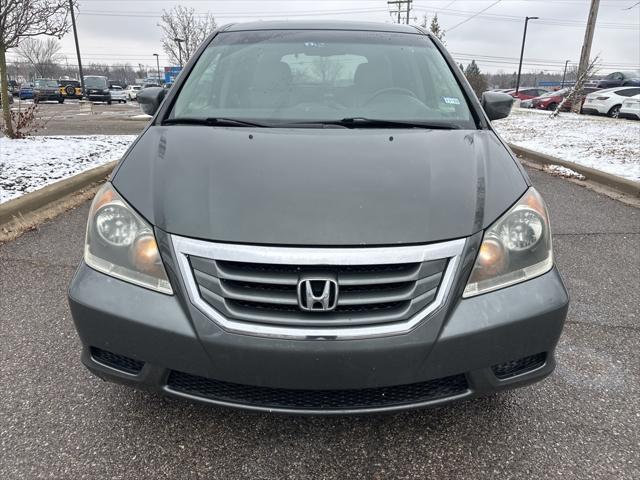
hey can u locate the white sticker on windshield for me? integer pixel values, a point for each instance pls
(451, 100)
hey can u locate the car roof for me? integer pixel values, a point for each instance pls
(321, 25)
(614, 89)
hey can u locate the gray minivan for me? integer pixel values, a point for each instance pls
(319, 218)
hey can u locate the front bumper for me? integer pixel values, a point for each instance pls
(99, 97)
(166, 337)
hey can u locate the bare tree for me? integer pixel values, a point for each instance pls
(327, 69)
(183, 31)
(20, 19)
(575, 95)
(42, 55)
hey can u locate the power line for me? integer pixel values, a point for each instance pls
(473, 16)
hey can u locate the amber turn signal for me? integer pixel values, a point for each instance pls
(145, 255)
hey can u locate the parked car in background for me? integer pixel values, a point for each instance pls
(608, 101)
(630, 108)
(132, 91)
(14, 87)
(70, 88)
(118, 94)
(97, 89)
(620, 79)
(25, 92)
(551, 100)
(528, 93)
(47, 89)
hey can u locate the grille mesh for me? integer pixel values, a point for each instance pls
(119, 362)
(516, 367)
(267, 293)
(294, 399)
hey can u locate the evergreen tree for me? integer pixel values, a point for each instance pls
(437, 31)
(477, 80)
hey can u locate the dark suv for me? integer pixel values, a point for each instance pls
(319, 218)
(97, 89)
(47, 89)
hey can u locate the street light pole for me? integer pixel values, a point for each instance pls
(75, 36)
(564, 74)
(158, 66)
(524, 37)
(179, 42)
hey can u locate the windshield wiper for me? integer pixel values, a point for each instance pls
(213, 122)
(364, 122)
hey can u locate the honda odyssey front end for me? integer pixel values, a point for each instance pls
(319, 219)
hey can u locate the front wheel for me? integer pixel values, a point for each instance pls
(552, 106)
(61, 100)
(108, 102)
(614, 112)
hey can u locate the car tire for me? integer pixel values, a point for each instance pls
(61, 101)
(614, 112)
(109, 102)
(552, 106)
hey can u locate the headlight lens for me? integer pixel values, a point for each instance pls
(120, 243)
(517, 247)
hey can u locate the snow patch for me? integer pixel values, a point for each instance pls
(607, 144)
(32, 163)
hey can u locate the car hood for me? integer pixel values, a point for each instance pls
(319, 187)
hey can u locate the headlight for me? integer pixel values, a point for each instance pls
(106, 90)
(120, 243)
(517, 247)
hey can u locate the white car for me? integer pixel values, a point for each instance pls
(118, 94)
(608, 101)
(132, 91)
(631, 108)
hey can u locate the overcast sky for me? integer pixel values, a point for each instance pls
(115, 31)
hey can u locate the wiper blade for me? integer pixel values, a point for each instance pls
(213, 122)
(356, 122)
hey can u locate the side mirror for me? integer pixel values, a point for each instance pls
(150, 99)
(497, 105)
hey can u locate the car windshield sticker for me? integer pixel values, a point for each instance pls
(451, 100)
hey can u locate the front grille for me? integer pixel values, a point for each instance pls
(114, 360)
(517, 367)
(266, 293)
(293, 399)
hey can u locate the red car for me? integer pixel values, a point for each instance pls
(528, 93)
(551, 100)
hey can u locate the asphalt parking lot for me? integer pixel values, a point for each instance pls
(58, 421)
(74, 118)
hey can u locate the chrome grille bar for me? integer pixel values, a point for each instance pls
(252, 289)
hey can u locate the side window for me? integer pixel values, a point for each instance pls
(611, 76)
(630, 92)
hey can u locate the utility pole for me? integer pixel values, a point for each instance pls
(401, 6)
(75, 36)
(564, 74)
(524, 37)
(588, 37)
(179, 42)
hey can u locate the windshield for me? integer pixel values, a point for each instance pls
(305, 76)
(558, 93)
(95, 82)
(46, 84)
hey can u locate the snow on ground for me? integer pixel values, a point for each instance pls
(607, 144)
(29, 164)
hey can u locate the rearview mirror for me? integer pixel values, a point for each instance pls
(497, 105)
(150, 99)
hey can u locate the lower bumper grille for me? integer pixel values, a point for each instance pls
(294, 399)
(119, 362)
(517, 367)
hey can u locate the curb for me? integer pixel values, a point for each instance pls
(51, 193)
(623, 185)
